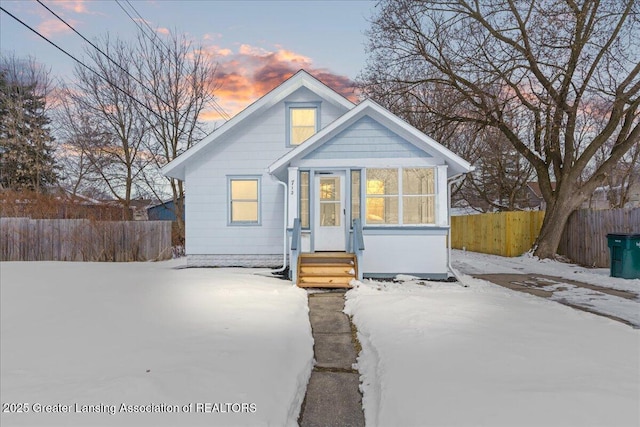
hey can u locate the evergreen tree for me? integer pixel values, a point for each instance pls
(26, 144)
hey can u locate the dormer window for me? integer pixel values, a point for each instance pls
(302, 122)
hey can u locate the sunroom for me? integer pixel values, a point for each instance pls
(372, 187)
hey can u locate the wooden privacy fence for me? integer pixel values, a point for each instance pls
(503, 233)
(584, 239)
(25, 239)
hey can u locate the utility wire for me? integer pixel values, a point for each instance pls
(121, 68)
(215, 105)
(83, 64)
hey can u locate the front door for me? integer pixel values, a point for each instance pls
(329, 212)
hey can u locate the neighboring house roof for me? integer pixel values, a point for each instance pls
(534, 186)
(176, 168)
(457, 164)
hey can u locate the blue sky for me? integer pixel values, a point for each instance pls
(256, 43)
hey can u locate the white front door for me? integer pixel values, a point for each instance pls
(329, 212)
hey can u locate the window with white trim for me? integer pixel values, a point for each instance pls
(303, 121)
(382, 196)
(400, 196)
(418, 196)
(244, 201)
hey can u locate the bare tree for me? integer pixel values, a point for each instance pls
(80, 138)
(107, 97)
(538, 72)
(179, 86)
(501, 176)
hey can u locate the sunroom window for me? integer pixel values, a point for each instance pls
(418, 196)
(382, 196)
(244, 201)
(400, 196)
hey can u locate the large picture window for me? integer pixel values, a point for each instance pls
(244, 201)
(400, 196)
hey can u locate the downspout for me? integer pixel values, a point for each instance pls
(284, 237)
(452, 181)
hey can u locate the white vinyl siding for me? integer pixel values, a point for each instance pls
(247, 151)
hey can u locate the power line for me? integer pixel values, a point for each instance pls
(217, 107)
(100, 75)
(82, 63)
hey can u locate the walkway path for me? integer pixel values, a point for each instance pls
(623, 306)
(333, 397)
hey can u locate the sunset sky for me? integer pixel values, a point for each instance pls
(257, 44)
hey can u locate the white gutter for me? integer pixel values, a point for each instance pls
(284, 237)
(452, 181)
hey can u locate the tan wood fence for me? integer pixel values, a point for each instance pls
(584, 239)
(503, 233)
(25, 239)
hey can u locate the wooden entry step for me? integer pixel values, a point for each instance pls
(326, 270)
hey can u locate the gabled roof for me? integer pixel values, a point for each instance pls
(457, 164)
(175, 168)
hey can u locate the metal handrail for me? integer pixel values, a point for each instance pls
(296, 248)
(357, 244)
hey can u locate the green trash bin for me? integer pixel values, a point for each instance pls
(625, 255)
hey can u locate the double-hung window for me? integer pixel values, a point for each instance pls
(382, 196)
(418, 196)
(400, 196)
(302, 122)
(244, 200)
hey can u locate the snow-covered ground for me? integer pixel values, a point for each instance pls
(442, 354)
(472, 263)
(225, 346)
(477, 263)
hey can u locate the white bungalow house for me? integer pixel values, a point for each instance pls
(304, 178)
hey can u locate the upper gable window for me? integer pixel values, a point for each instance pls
(302, 122)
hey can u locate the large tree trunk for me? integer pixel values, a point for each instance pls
(556, 216)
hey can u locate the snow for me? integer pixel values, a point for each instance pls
(477, 263)
(102, 334)
(447, 355)
(629, 310)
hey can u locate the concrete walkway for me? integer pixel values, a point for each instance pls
(545, 286)
(333, 397)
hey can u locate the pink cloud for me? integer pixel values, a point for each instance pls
(163, 31)
(77, 6)
(253, 71)
(51, 27)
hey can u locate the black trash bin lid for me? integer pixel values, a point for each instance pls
(624, 236)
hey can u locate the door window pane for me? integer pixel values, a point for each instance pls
(330, 202)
